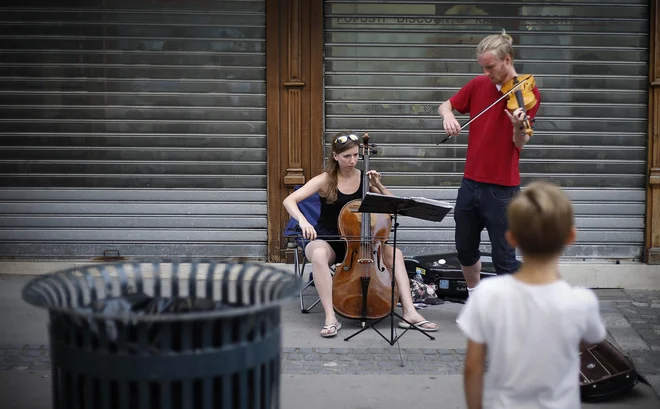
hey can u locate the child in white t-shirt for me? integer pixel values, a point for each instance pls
(530, 323)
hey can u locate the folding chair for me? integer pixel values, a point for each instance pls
(311, 209)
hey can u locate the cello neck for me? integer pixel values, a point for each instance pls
(366, 217)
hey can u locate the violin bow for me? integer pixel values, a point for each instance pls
(486, 109)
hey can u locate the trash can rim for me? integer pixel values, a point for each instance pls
(288, 288)
(232, 312)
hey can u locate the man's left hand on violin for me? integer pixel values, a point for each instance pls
(517, 117)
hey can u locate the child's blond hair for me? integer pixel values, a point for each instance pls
(541, 220)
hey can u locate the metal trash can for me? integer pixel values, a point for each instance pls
(164, 335)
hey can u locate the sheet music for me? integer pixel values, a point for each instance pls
(418, 199)
(416, 207)
(433, 202)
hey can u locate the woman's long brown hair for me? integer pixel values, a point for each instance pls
(332, 167)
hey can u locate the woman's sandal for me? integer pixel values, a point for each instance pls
(332, 330)
(419, 325)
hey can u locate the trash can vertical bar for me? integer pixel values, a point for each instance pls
(226, 381)
(208, 400)
(143, 386)
(166, 385)
(105, 382)
(88, 399)
(72, 375)
(187, 333)
(122, 348)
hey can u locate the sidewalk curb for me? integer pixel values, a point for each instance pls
(627, 275)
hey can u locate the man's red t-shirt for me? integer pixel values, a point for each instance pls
(492, 157)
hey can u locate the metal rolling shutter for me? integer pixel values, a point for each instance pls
(135, 127)
(390, 63)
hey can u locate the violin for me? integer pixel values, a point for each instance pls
(524, 98)
(362, 286)
(519, 94)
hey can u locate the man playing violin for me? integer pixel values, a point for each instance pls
(491, 176)
(339, 184)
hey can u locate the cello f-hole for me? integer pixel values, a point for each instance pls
(350, 264)
(379, 266)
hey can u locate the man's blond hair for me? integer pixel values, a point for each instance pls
(499, 44)
(541, 219)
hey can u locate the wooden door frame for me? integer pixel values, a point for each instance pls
(294, 103)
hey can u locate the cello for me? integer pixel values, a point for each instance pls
(362, 286)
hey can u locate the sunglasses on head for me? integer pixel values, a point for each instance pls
(344, 138)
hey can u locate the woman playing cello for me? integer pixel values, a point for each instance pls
(341, 176)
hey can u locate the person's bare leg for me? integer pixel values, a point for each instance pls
(321, 255)
(472, 274)
(410, 313)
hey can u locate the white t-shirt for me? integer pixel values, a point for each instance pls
(532, 334)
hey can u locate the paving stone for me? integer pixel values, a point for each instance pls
(616, 321)
(31, 353)
(11, 346)
(654, 381)
(627, 342)
(628, 312)
(649, 333)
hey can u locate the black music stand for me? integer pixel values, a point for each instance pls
(417, 207)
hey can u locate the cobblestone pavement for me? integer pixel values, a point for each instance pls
(638, 334)
(298, 361)
(373, 361)
(632, 319)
